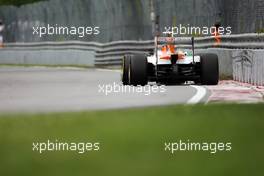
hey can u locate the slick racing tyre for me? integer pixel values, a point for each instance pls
(209, 69)
(138, 70)
(125, 68)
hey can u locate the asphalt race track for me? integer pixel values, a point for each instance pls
(43, 89)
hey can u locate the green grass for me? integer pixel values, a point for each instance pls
(259, 31)
(132, 141)
(225, 77)
(17, 2)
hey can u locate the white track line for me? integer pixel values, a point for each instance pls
(200, 93)
(108, 70)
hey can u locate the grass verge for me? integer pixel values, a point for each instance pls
(18, 2)
(132, 141)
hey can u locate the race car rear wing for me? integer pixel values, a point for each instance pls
(160, 41)
(174, 40)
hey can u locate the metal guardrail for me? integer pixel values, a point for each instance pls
(76, 45)
(110, 54)
(116, 52)
(106, 54)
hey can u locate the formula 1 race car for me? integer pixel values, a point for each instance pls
(166, 65)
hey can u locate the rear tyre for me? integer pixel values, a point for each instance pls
(125, 68)
(138, 70)
(209, 69)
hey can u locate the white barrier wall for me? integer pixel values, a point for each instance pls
(48, 57)
(243, 65)
(248, 66)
